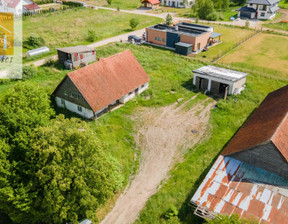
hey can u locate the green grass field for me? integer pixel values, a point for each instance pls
(171, 79)
(266, 53)
(70, 27)
(122, 4)
(283, 4)
(277, 26)
(230, 36)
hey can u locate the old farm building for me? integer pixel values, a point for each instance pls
(250, 177)
(219, 80)
(99, 87)
(72, 57)
(186, 35)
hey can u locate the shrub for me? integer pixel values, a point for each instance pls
(73, 4)
(134, 22)
(91, 36)
(212, 16)
(247, 23)
(109, 2)
(35, 40)
(28, 72)
(171, 212)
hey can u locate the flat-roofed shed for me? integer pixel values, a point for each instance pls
(219, 80)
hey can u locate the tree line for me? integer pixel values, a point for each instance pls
(52, 169)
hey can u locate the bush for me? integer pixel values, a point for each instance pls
(171, 212)
(212, 16)
(73, 4)
(35, 40)
(91, 36)
(28, 72)
(134, 22)
(109, 2)
(168, 19)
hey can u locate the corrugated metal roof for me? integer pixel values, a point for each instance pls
(268, 123)
(232, 186)
(109, 79)
(221, 73)
(75, 49)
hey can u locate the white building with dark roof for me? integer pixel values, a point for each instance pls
(259, 9)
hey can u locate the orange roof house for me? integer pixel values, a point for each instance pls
(98, 87)
(150, 3)
(250, 177)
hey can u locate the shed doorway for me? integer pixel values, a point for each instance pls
(201, 83)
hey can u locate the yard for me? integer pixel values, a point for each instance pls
(169, 82)
(230, 36)
(73, 25)
(266, 53)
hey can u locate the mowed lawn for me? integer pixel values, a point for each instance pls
(70, 27)
(266, 53)
(230, 36)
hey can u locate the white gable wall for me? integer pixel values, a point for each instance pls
(74, 108)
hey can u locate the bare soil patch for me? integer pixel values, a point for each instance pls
(160, 134)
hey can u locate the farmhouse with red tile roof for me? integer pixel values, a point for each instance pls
(250, 177)
(99, 87)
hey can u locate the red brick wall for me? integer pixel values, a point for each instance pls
(151, 34)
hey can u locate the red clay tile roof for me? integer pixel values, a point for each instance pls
(32, 6)
(152, 2)
(109, 79)
(268, 123)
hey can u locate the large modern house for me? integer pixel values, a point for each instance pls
(259, 9)
(250, 177)
(182, 35)
(101, 86)
(177, 3)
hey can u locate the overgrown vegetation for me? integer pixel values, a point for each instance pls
(52, 171)
(73, 25)
(233, 219)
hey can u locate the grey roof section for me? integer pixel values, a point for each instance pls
(246, 9)
(262, 2)
(76, 49)
(214, 35)
(273, 9)
(183, 44)
(85, 221)
(221, 73)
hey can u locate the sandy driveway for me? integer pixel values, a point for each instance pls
(160, 134)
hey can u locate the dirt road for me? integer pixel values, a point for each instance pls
(160, 135)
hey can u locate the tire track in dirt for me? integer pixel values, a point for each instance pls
(160, 133)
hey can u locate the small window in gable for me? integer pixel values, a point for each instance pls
(79, 108)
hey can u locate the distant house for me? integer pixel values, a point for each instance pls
(151, 3)
(219, 80)
(194, 36)
(31, 8)
(73, 57)
(19, 6)
(177, 3)
(250, 177)
(99, 87)
(259, 9)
